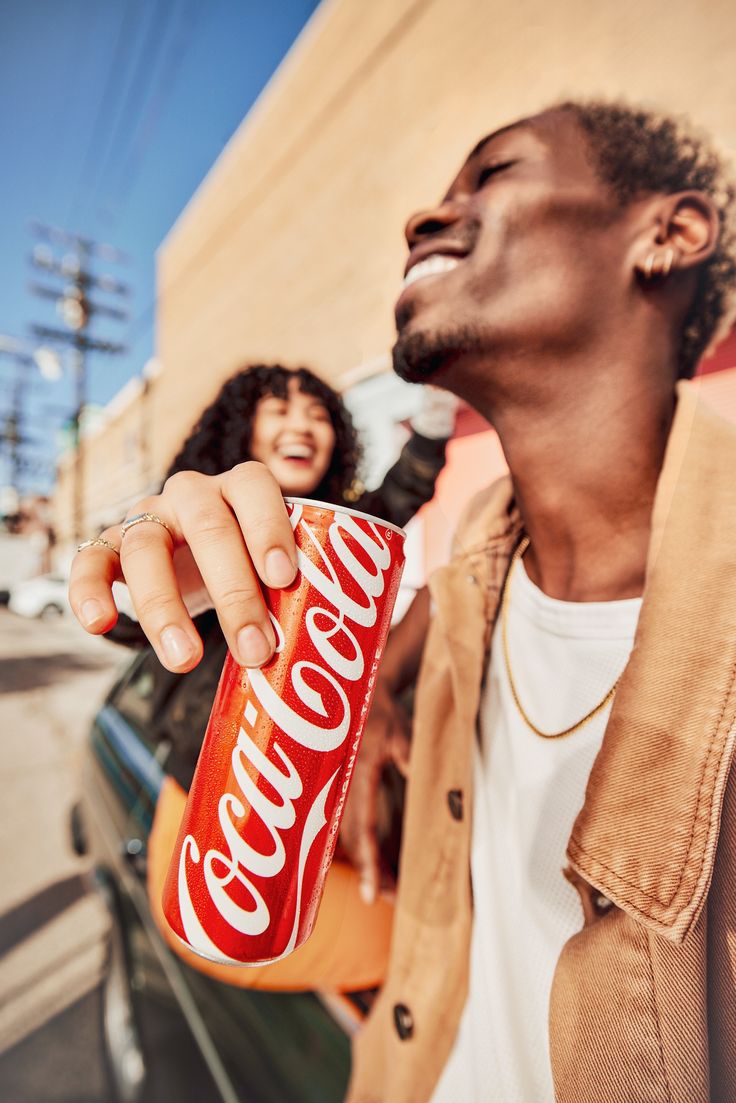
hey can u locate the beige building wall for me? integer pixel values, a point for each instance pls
(292, 248)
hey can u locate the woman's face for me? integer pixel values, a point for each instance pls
(295, 439)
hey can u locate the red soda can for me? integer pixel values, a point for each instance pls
(261, 822)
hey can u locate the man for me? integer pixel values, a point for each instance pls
(567, 272)
(577, 768)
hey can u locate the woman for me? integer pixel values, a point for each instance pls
(301, 435)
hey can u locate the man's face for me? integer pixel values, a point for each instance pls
(526, 251)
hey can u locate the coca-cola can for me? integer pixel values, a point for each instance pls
(262, 817)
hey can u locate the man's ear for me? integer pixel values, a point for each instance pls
(686, 235)
(691, 227)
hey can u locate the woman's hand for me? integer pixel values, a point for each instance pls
(232, 528)
(386, 739)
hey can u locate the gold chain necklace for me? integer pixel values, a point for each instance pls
(514, 693)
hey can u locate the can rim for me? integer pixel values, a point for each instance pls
(345, 509)
(225, 959)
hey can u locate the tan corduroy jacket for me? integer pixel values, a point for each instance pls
(643, 1003)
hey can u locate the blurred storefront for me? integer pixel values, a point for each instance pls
(26, 538)
(292, 248)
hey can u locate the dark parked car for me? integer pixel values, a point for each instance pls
(170, 1031)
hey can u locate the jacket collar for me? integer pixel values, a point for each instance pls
(647, 833)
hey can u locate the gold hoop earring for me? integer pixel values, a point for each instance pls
(667, 263)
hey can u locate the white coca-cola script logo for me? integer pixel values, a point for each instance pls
(326, 627)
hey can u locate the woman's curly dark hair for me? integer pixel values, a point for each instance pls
(221, 438)
(640, 152)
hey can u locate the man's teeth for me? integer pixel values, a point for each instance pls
(430, 266)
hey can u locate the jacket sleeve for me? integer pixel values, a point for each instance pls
(409, 483)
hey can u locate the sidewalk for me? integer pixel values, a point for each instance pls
(52, 679)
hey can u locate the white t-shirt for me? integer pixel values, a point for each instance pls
(565, 656)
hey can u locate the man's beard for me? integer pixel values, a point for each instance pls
(423, 357)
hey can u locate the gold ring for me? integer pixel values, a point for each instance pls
(140, 518)
(98, 542)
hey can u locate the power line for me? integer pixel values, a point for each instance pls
(102, 119)
(76, 309)
(99, 249)
(143, 135)
(287, 156)
(137, 88)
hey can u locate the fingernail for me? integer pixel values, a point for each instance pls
(92, 612)
(253, 647)
(367, 892)
(177, 646)
(279, 568)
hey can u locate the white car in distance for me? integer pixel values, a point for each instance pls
(44, 596)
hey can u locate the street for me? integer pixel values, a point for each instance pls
(52, 931)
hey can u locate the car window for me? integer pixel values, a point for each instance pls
(134, 698)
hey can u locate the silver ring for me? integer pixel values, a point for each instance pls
(140, 518)
(98, 542)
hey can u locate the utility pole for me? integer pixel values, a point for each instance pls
(77, 311)
(13, 421)
(13, 433)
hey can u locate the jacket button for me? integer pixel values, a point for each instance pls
(404, 1021)
(455, 802)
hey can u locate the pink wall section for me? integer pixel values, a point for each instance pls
(472, 463)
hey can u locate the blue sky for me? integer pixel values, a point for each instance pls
(111, 114)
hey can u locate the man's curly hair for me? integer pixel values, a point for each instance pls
(221, 438)
(639, 152)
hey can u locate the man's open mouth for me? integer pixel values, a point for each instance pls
(433, 265)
